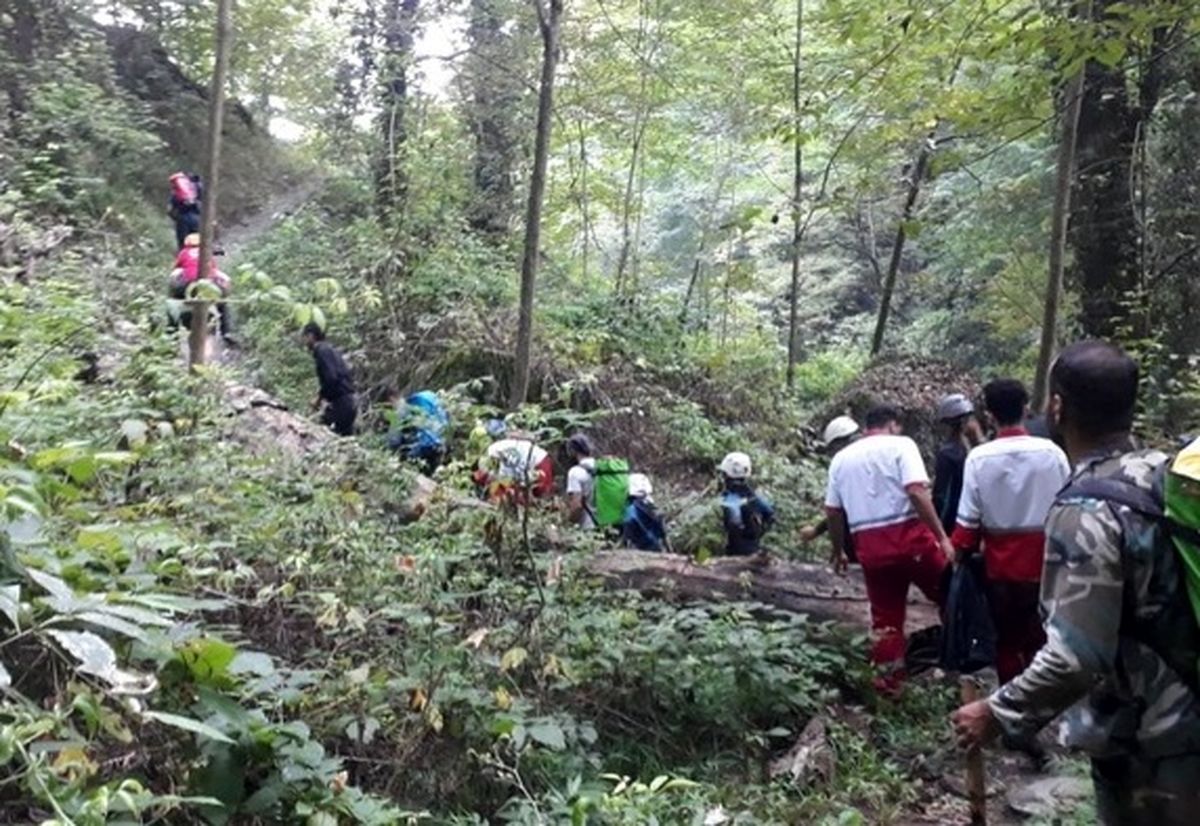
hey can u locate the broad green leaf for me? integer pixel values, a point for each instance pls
(52, 584)
(549, 735)
(188, 724)
(97, 658)
(135, 432)
(252, 662)
(112, 623)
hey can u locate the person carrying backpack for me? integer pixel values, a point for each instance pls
(839, 433)
(746, 515)
(642, 527)
(1122, 639)
(187, 272)
(419, 434)
(183, 206)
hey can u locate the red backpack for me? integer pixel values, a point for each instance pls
(183, 189)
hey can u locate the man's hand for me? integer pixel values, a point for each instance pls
(974, 725)
(316, 403)
(839, 561)
(808, 533)
(947, 548)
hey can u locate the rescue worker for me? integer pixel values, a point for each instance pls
(1008, 487)
(1107, 586)
(335, 398)
(879, 490)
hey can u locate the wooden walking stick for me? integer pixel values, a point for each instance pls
(976, 780)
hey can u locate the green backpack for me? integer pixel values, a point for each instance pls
(1181, 498)
(611, 477)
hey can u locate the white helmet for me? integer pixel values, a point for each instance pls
(736, 466)
(639, 485)
(842, 427)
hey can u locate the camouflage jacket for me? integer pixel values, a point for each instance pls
(1101, 575)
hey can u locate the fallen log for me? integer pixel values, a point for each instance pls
(798, 587)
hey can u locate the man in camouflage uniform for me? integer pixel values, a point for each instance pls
(1106, 596)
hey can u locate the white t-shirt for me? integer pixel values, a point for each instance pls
(1009, 484)
(516, 460)
(868, 481)
(581, 480)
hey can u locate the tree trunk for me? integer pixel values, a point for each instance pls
(797, 192)
(549, 19)
(1073, 98)
(889, 281)
(391, 176)
(495, 99)
(1104, 223)
(198, 338)
(790, 586)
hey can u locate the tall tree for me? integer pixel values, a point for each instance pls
(493, 76)
(1064, 178)
(797, 193)
(549, 14)
(912, 189)
(1122, 88)
(391, 174)
(198, 344)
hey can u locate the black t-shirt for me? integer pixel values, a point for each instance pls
(332, 372)
(948, 481)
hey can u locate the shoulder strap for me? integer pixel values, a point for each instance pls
(1146, 502)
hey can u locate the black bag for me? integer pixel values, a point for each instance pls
(968, 637)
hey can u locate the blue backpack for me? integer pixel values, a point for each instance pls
(643, 528)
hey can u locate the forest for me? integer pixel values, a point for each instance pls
(688, 229)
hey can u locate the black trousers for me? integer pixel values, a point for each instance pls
(340, 415)
(185, 224)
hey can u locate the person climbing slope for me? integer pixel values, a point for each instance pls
(956, 414)
(878, 487)
(187, 272)
(746, 516)
(642, 527)
(1008, 487)
(511, 465)
(184, 205)
(419, 434)
(1121, 636)
(580, 507)
(839, 433)
(336, 393)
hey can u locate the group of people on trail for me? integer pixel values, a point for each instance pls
(601, 493)
(1091, 565)
(184, 206)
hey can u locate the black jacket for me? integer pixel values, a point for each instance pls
(948, 482)
(332, 372)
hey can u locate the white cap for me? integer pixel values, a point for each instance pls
(840, 428)
(639, 485)
(737, 466)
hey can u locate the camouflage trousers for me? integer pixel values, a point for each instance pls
(1138, 791)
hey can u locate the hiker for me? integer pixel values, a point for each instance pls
(1008, 487)
(956, 413)
(581, 482)
(642, 527)
(183, 206)
(1121, 636)
(745, 514)
(513, 468)
(187, 272)
(840, 432)
(336, 382)
(419, 434)
(879, 489)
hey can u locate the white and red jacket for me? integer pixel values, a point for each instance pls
(1009, 485)
(869, 481)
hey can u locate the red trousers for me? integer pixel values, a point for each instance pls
(1019, 634)
(887, 590)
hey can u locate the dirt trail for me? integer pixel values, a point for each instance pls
(235, 238)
